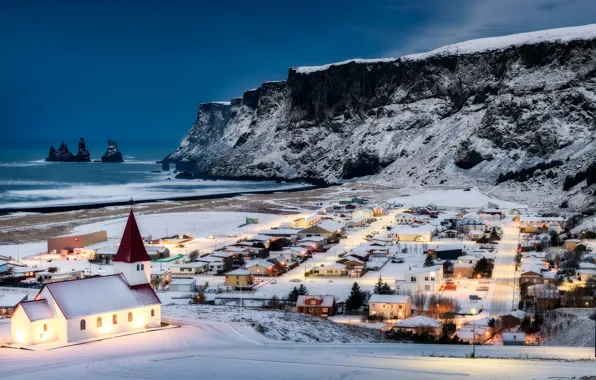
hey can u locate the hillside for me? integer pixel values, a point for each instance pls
(460, 115)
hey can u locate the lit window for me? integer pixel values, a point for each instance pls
(83, 325)
(45, 327)
(114, 319)
(99, 322)
(130, 317)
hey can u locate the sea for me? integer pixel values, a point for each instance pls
(28, 181)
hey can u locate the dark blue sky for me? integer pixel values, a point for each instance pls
(138, 69)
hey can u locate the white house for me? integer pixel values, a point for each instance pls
(403, 218)
(427, 279)
(411, 234)
(183, 285)
(189, 269)
(93, 307)
(389, 306)
(420, 323)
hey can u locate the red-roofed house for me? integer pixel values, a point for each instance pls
(93, 307)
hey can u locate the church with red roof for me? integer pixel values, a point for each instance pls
(93, 307)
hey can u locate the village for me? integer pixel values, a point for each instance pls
(408, 270)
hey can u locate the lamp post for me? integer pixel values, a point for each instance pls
(474, 334)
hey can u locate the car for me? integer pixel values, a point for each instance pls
(273, 282)
(467, 189)
(295, 280)
(210, 237)
(396, 260)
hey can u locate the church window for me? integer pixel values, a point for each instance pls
(45, 327)
(142, 266)
(130, 317)
(99, 322)
(152, 313)
(138, 267)
(83, 325)
(114, 319)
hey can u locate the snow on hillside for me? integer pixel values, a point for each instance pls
(453, 198)
(503, 42)
(479, 45)
(277, 325)
(569, 327)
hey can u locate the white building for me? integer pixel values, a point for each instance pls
(183, 285)
(412, 234)
(403, 218)
(189, 269)
(93, 307)
(389, 306)
(426, 279)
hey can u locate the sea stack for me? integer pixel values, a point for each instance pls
(113, 153)
(60, 155)
(83, 154)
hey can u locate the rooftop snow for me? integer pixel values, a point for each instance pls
(388, 298)
(11, 300)
(312, 69)
(37, 310)
(95, 295)
(418, 321)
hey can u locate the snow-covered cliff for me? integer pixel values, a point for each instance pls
(459, 115)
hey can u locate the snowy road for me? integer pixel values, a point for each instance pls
(501, 290)
(205, 350)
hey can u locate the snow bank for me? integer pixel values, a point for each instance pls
(278, 325)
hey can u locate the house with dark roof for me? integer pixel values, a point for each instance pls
(93, 307)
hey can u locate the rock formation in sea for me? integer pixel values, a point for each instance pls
(113, 153)
(83, 154)
(60, 155)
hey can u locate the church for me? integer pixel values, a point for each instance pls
(92, 307)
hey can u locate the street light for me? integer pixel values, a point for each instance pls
(474, 334)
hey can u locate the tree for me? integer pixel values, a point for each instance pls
(483, 268)
(419, 300)
(554, 238)
(193, 256)
(273, 302)
(433, 305)
(429, 261)
(53, 269)
(491, 323)
(518, 259)
(293, 296)
(302, 291)
(382, 287)
(263, 253)
(356, 298)
(494, 235)
(279, 244)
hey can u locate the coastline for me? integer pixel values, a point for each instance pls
(98, 205)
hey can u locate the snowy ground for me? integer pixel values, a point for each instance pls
(569, 327)
(213, 350)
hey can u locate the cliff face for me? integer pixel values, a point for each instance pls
(459, 115)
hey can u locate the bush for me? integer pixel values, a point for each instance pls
(527, 173)
(589, 175)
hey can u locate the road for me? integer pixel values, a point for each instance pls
(501, 291)
(212, 350)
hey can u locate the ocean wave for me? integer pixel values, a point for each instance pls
(31, 183)
(26, 163)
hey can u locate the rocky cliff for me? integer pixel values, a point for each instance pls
(112, 154)
(460, 115)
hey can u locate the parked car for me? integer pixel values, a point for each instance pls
(210, 237)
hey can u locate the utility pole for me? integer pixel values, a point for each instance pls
(474, 335)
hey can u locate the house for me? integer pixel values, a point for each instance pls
(357, 221)
(326, 228)
(385, 205)
(319, 306)
(183, 285)
(3, 266)
(546, 296)
(68, 243)
(333, 270)
(285, 233)
(220, 261)
(426, 279)
(531, 275)
(380, 241)
(513, 339)
(313, 243)
(353, 265)
(570, 244)
(240, 279)
(477, 234)
(47, 277)
(188, 269)
(261, 268)
(422, 219)
(93, 307)
(412, 234)
(586, 274)
(250, 220)
(107, 254)
(420, 324)
(403, 218)
(389, 306)
(469, 259)
(9, 302)
(463, 270)
(446, 251)
(491, 211)
(306, 222)
(161, 274)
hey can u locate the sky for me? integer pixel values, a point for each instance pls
(137, 70)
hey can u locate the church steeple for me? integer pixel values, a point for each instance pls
(132, 259)
(132, 248)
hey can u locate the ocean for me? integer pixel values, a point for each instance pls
(28, 181)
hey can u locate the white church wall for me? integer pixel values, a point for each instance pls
(25, 333)
(141, 318)
(132, 275)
